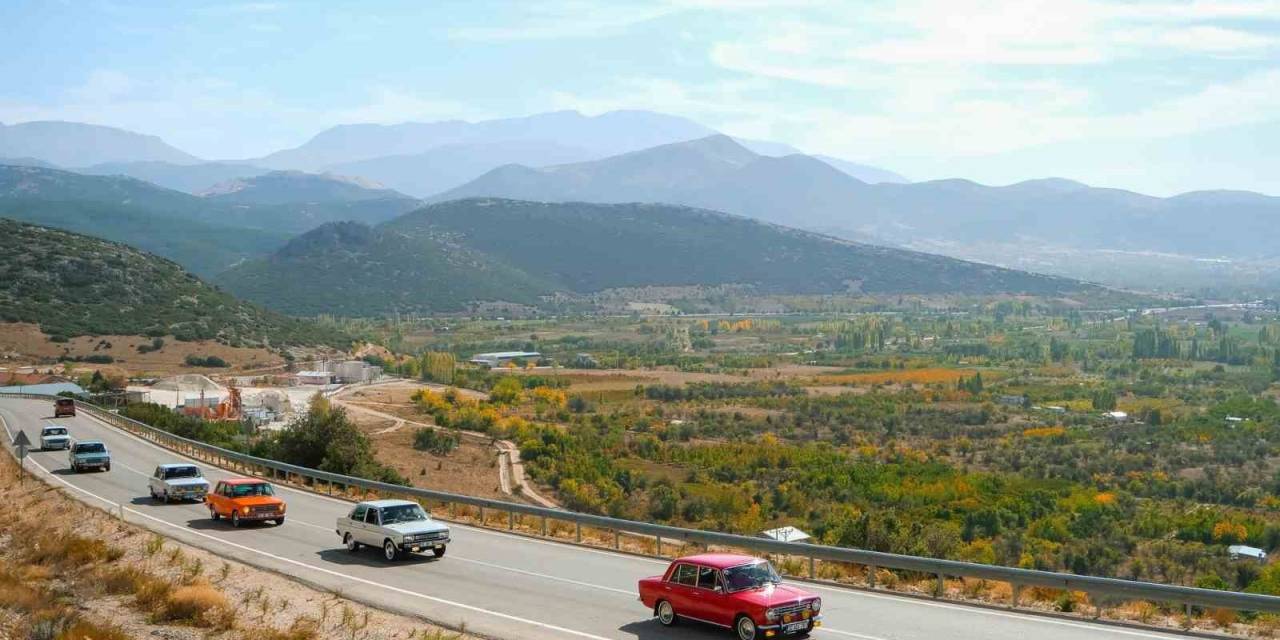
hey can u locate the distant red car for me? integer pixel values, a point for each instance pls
(738, 592)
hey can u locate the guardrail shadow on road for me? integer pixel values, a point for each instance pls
(855, 568)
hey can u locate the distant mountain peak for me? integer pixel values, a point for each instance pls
(277, 187)
(1059, 185)
(78, 144)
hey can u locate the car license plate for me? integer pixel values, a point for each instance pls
(795, 626)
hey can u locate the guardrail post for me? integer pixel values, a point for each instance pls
(659, 546)
(577, 531)
(811, 572)
(617, 539)
(1014, 595)
(1097, 606)
(482, 515)
(871, 576)
(544, 526)
(941, 587)
(511, 521)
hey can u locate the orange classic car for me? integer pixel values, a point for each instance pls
(245, 500)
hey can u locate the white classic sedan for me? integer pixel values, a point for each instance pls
(395, 526)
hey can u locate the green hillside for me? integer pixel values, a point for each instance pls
(205, 249)
(73, 285)
(205, 235)
(350, 269)
(445, 256)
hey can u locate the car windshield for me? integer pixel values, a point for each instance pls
(402, 513)
(245, 490)
(181, 472)
(56, 431)
(92, 447)
(751, 576)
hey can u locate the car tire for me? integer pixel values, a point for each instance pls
(279, 521)
(745, 627)
(438, 551)
(351, 544)
(106, 467)
(666, 614)
(213, 514)
(235, 518)
(390, 552)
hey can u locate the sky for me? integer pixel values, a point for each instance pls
(1159, 96)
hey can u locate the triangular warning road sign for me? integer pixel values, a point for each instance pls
(22, 440)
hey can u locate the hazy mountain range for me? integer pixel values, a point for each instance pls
(1052, 225)
(952, 217)
(446, 256)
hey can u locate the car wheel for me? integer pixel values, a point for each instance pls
(389, 551)
(666, 613)
(746, 628)
(235, 518)
(279, 521)
(439, 551)
(106, 467)
(213, 514)
(351, 543)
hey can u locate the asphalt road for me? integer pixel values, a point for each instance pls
(498, 585)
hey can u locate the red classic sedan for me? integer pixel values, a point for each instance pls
(737, 592)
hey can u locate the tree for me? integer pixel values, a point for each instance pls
(325, 438)
(1104, 400)
(507, 391)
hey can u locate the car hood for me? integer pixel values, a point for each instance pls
(427, 526)
(774, 595)
(256, 501)
(187, 482)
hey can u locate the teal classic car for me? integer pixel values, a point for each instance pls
(89, 454)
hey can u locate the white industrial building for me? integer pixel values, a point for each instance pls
(501, 358)
(314, 377)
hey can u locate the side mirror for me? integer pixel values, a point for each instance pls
(718, 589)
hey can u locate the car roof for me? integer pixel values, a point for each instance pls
(91, 442)
(53, 426)
(719, 560)
(244, 481)
(382, 504)
(176, 465)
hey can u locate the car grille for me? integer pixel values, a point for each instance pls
(798, 607)
(420, 537)
(263, 509)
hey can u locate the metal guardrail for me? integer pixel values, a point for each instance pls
(1100, 589)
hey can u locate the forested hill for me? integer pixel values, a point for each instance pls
(72, 285)
(445, 256)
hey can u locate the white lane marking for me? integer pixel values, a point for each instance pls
(849, 633)
(1099, 628)
(629, 594)
(498, 614)
(848, 592)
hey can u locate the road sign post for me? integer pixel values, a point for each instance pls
(22, 442)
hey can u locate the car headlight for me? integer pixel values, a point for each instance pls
(772, 615)
(244, 510)
(817, 605)
(282, 507)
